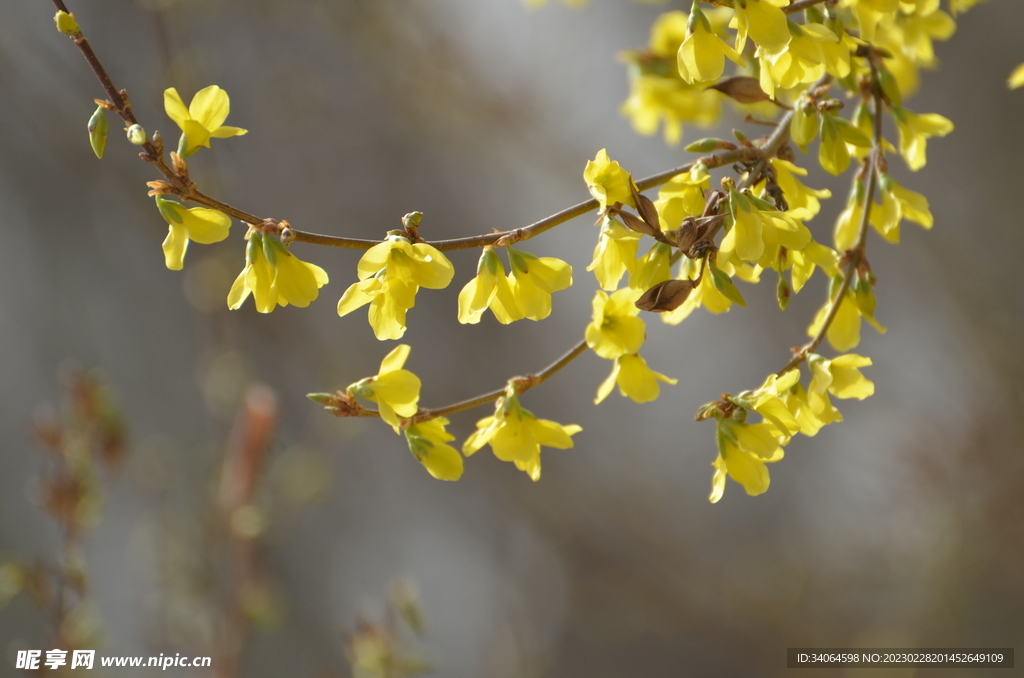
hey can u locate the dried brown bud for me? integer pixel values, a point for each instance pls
(645, 206)
(639, 225)
(179, 165)
(666, 296)
(742, 88)
(159, 188)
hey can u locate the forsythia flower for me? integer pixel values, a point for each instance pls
(396, 391)
(489, 289)
(803, 202)
(427, 441)
(390, 274)
(516, 435)
(275, 277)
(914, 131)
(635, 379)
(702, 55)
(202, 119)
(844, 332)
(682, 196)
(204, 226)
(765, 23)
(533, 279)
(898, 203)
(1016, 78)
(615, 329)
(607, 181)
(614, 254)
(743, 451)
(658, 92)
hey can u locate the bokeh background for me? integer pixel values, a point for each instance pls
(902, 527)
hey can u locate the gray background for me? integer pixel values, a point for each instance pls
(900, 527)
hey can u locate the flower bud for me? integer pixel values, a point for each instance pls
(741, 88)
(710, 144)
(66, 23)
(666, 296)
(98, 132)
(137, 135)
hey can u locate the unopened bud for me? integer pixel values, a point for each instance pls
(666, 296)
(742, 88)
(412, 219)
(66, 23)
(137, 135)
(98, 132)
(710, 144)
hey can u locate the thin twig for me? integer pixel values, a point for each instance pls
(857, 253)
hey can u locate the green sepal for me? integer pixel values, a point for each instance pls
(170, 210)
(864, 295)
(253, 247)
(783, 292)
(804, 127)
(723, 283)
(98, 132)
(850, 133)
(889, 87)
(269, 251)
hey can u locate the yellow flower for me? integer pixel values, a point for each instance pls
(204, 226)
(396, 391)
(803, 202)
(898, 203)
(275, 277)
(844, 332)
(840, 376)
(757, 231)
(914, 132)
(681, 197)
(765, 23)
(635, 379)
(533, 279)
(607, 181)
(1016, 78)
(701, 57)
(614, 254)
(811, 418)
(652, 268)
(202, 119)
(390, 274)
(489, 289)
(427, 441)
(799, 61)
(516, 435)
(743, 451)
(615, 329)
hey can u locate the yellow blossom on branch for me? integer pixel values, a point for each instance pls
(615, 329)
(701, 57)
(275, 277)
(743, 451)
(390, 274)
(489, 289)
(915, 129)
(607, 181)
(534, 279)
(614, 254)
(199, 224)
(516, 435)
(395, 390)
(203, 118)
(428, 443)
(635, 379)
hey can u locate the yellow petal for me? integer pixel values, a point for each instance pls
(174, 246)
(175, 107)
(210, 107)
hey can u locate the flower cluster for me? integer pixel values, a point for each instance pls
(786, 409)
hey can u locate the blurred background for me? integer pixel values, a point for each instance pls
(247, 524)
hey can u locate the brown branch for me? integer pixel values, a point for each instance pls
(856, 255)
